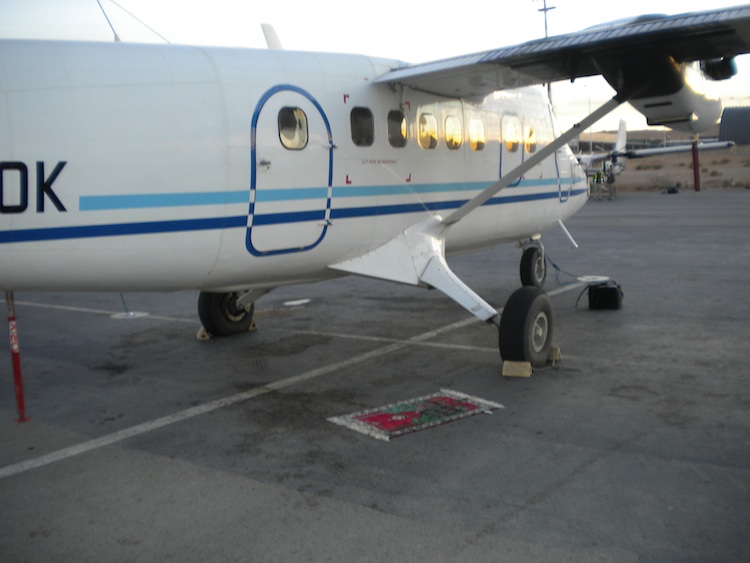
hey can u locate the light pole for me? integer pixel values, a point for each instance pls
(544, 10)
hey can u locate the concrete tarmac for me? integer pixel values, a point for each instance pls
(145, 444)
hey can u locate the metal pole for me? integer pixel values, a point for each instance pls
(15, 357)
(544, 11)
(696, 166)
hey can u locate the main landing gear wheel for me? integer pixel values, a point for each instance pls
(533, 267)
(526, 327)
(222, 316)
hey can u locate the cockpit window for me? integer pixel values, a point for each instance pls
(293, 128)
(363, 126)
(397, 128)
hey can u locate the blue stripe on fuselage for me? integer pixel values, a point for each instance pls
(186, 199)
(122, 229)
(146, 201)
(509, 196)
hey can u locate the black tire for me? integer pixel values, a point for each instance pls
(221, 316)
(533, 267)
(526, 327)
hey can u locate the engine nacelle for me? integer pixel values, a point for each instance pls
(686, 110)
(669, 93)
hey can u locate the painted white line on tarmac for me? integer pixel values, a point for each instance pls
(566, 288)
(444, 345)
(385, 339)
(109, 313)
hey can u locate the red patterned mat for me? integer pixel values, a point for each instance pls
(389, 421)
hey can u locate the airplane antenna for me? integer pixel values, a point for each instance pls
(136, 18)
(106, 17)
(128, 312)
(272, 38)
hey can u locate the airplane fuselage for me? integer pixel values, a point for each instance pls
(141, 167)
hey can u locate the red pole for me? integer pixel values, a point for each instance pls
(696, 166)
(16, 357)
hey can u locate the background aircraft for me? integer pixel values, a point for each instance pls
(604, 167)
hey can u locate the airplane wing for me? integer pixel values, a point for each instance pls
(622, 50)
(589, 160)
(618, 158)
(660, 151)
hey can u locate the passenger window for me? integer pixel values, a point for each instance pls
(428, 131)
(530, 140)
(397, 128)
(363, 127)
(511, 133)
(453, 133)
(293, 128)
(477, 140)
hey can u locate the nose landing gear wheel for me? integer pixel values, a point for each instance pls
(533, 267)
(526, 327)
(222, 316)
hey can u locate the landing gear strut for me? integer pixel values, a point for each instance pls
(225, 314)
(526, 327)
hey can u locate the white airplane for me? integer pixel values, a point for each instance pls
(234, 171)
(611, 164)
(620, 154)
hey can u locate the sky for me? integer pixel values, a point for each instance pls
(410, 31)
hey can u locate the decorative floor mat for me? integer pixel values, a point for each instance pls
(403, 417)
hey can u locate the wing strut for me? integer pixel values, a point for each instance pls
(488, 193)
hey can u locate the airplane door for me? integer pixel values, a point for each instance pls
(291, 173)
(511, 150)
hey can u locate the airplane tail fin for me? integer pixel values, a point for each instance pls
(622, 137)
